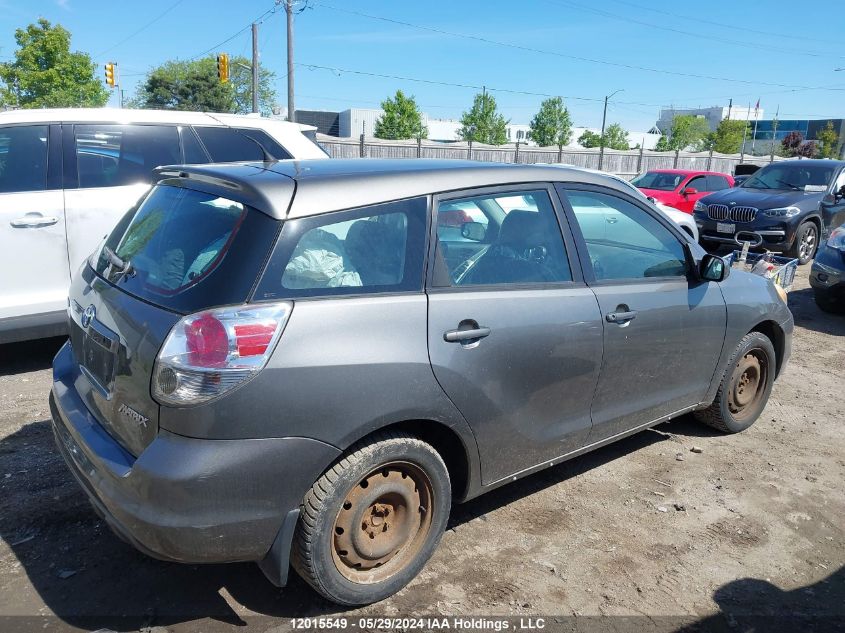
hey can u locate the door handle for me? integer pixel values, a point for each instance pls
(460, 336)
(620, 317)
(33, 221)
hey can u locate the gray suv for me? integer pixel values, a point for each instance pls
(307, 362)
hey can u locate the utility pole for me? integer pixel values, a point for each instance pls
(603, 121)
(730, 107)
(291, 107)
(774, 134)
(255, 67)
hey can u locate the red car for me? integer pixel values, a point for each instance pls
(680, 188)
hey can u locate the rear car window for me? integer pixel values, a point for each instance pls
(374, 249)
(23, 158)
(236, 144)
(188, 250)
(114, 155)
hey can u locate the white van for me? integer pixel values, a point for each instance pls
(68, 175)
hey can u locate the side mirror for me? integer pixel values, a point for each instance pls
(689, 191)
(713, 268)
(474, 231)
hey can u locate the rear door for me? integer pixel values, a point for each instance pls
(663, 333)
(515, 337)
(107, 169)
(34, 271)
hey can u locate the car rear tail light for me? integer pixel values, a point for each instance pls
(208, 353)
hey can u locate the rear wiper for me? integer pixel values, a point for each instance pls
(790, 185)
(123, 267)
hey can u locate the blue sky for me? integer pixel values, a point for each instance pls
(781, 51)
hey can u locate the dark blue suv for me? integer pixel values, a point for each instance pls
(791, 205)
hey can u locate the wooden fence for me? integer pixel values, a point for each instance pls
(626, 163)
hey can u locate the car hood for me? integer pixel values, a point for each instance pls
(764, 198)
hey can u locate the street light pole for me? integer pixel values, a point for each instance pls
(255, 67)
(603, 121)
(291, 106)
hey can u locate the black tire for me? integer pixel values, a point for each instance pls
(730, 412)
(827, 303)
(368, 492)
(806, 243)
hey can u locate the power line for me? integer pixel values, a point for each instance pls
(259, 19)
(148, 24)
(724, 25)
(469, 36)
(711, 38)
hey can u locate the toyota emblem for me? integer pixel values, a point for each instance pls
(88, 315)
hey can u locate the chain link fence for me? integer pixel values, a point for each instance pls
(627, 163)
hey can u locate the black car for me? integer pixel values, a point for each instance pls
(827, 276)
(791, 205)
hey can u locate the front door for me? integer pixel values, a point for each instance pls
(109, 168)
(515, 337)
(34, 273)
(663, 334)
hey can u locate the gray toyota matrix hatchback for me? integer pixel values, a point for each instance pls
(306, 362)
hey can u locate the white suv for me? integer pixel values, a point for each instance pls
(67, 176)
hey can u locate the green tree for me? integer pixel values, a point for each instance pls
(589, 139)
(46, 74)
(829, 139)
(728, 137)
(663, 144)
(552, 125)
(688, 131)
(615, 137)
(194, 85)
(483, 123)
(401, 119)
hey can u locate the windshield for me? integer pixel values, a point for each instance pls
(793, 177)
(167, 249)
(660, 180)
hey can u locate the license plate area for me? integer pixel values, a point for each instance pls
(99, 350)
(725, 227)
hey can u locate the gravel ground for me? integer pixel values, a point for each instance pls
(677, 523)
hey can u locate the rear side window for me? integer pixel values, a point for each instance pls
(232, 145)
(373, 249)
(114, 155)
(23, 158)
(716, 183)
(188, 250)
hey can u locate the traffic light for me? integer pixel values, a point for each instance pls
(223, 67)
(111, 78)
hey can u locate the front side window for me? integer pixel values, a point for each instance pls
(500, 238)
(23, 158)
(115, 155)
(699, 183)
(623, 240)
(373, 249)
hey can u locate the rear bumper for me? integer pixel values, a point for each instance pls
(185, 499)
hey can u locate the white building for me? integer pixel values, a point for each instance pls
(713, 115)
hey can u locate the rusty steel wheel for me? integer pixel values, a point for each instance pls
(369, 524)
(383, 522)
(747, 384)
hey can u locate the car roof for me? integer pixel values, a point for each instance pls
(687, 172)
(131, 115)
(322, 186)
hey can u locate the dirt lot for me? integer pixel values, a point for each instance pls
(754, 524)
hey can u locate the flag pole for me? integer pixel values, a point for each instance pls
(756, 118)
